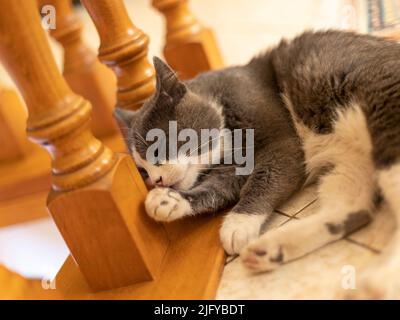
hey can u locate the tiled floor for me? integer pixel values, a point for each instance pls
(242, 28)
(318, 275)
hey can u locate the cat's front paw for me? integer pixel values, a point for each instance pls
(266, 253)
(165, 204)
(238, 229)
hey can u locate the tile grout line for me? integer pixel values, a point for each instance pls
(362, 245)
(233, 258)
(298, 211)
(283, 214)
(288, 220)
(305, 207)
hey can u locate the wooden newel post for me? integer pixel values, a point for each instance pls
(97, 196)
(190, 48)
(123, 48)
(84, 73)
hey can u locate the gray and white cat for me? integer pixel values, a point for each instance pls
(324, 106)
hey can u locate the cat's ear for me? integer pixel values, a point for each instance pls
(124, 119)
(167, 80)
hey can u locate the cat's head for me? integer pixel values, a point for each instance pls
(172, 104)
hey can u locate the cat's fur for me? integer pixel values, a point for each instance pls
(342, 91)
(232, 98)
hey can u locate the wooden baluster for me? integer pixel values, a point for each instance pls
(190, 48)
(97, 196)
(84, 73)
(123, 48)
(13, 141)
(24, 167)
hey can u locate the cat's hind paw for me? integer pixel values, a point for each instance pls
(264, 254)
(165, 204)
(238, 229)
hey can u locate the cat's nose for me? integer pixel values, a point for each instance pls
(159, 182)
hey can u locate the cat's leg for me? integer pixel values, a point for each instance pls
(382, 281)
(276, 177)
(218, 191)
(166, 204)
(346, 203)
(383, 115)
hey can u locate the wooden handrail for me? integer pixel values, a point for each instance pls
(97, 196)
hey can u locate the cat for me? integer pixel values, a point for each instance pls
(325, 107)
(231, 98)
(343, 93)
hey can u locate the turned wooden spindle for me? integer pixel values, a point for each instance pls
(97, 196)
(24, 167)
(13, 141)
(190, 48)
(84, 73)
(123, 48)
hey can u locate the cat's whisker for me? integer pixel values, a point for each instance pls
(141, 138)
(208, 141)
(194, 122)
(222, 168)
(238, 148)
